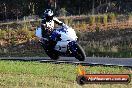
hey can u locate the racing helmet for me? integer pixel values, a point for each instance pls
(48, 14)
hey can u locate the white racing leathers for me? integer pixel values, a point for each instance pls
(50, 24)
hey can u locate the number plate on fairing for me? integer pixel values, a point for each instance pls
(61, 46)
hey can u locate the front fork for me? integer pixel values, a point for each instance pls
(72, 47)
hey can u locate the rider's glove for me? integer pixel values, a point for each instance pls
(64, 25)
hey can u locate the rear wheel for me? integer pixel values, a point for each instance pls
(80, 54)
(50, 52)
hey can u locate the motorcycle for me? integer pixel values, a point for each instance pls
(66, 43)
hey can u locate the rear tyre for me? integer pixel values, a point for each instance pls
(80, 54)
(50, 52)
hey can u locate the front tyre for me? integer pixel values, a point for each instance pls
(80, 54)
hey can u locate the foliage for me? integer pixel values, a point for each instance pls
(92, 20)
(96, 38)
(21, 8)
(2, 34)
(105, 20)
(62, 12)
(98, 19)
(112, 17)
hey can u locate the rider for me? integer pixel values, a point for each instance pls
(47, 25)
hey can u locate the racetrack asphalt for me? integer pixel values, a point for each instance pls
(126, 62)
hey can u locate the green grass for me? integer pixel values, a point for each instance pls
(16, 74)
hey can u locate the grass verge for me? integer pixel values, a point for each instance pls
(19, 74)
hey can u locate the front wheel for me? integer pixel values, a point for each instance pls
(77, 51)
(80, 54)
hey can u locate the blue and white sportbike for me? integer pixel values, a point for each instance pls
(66, 43)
